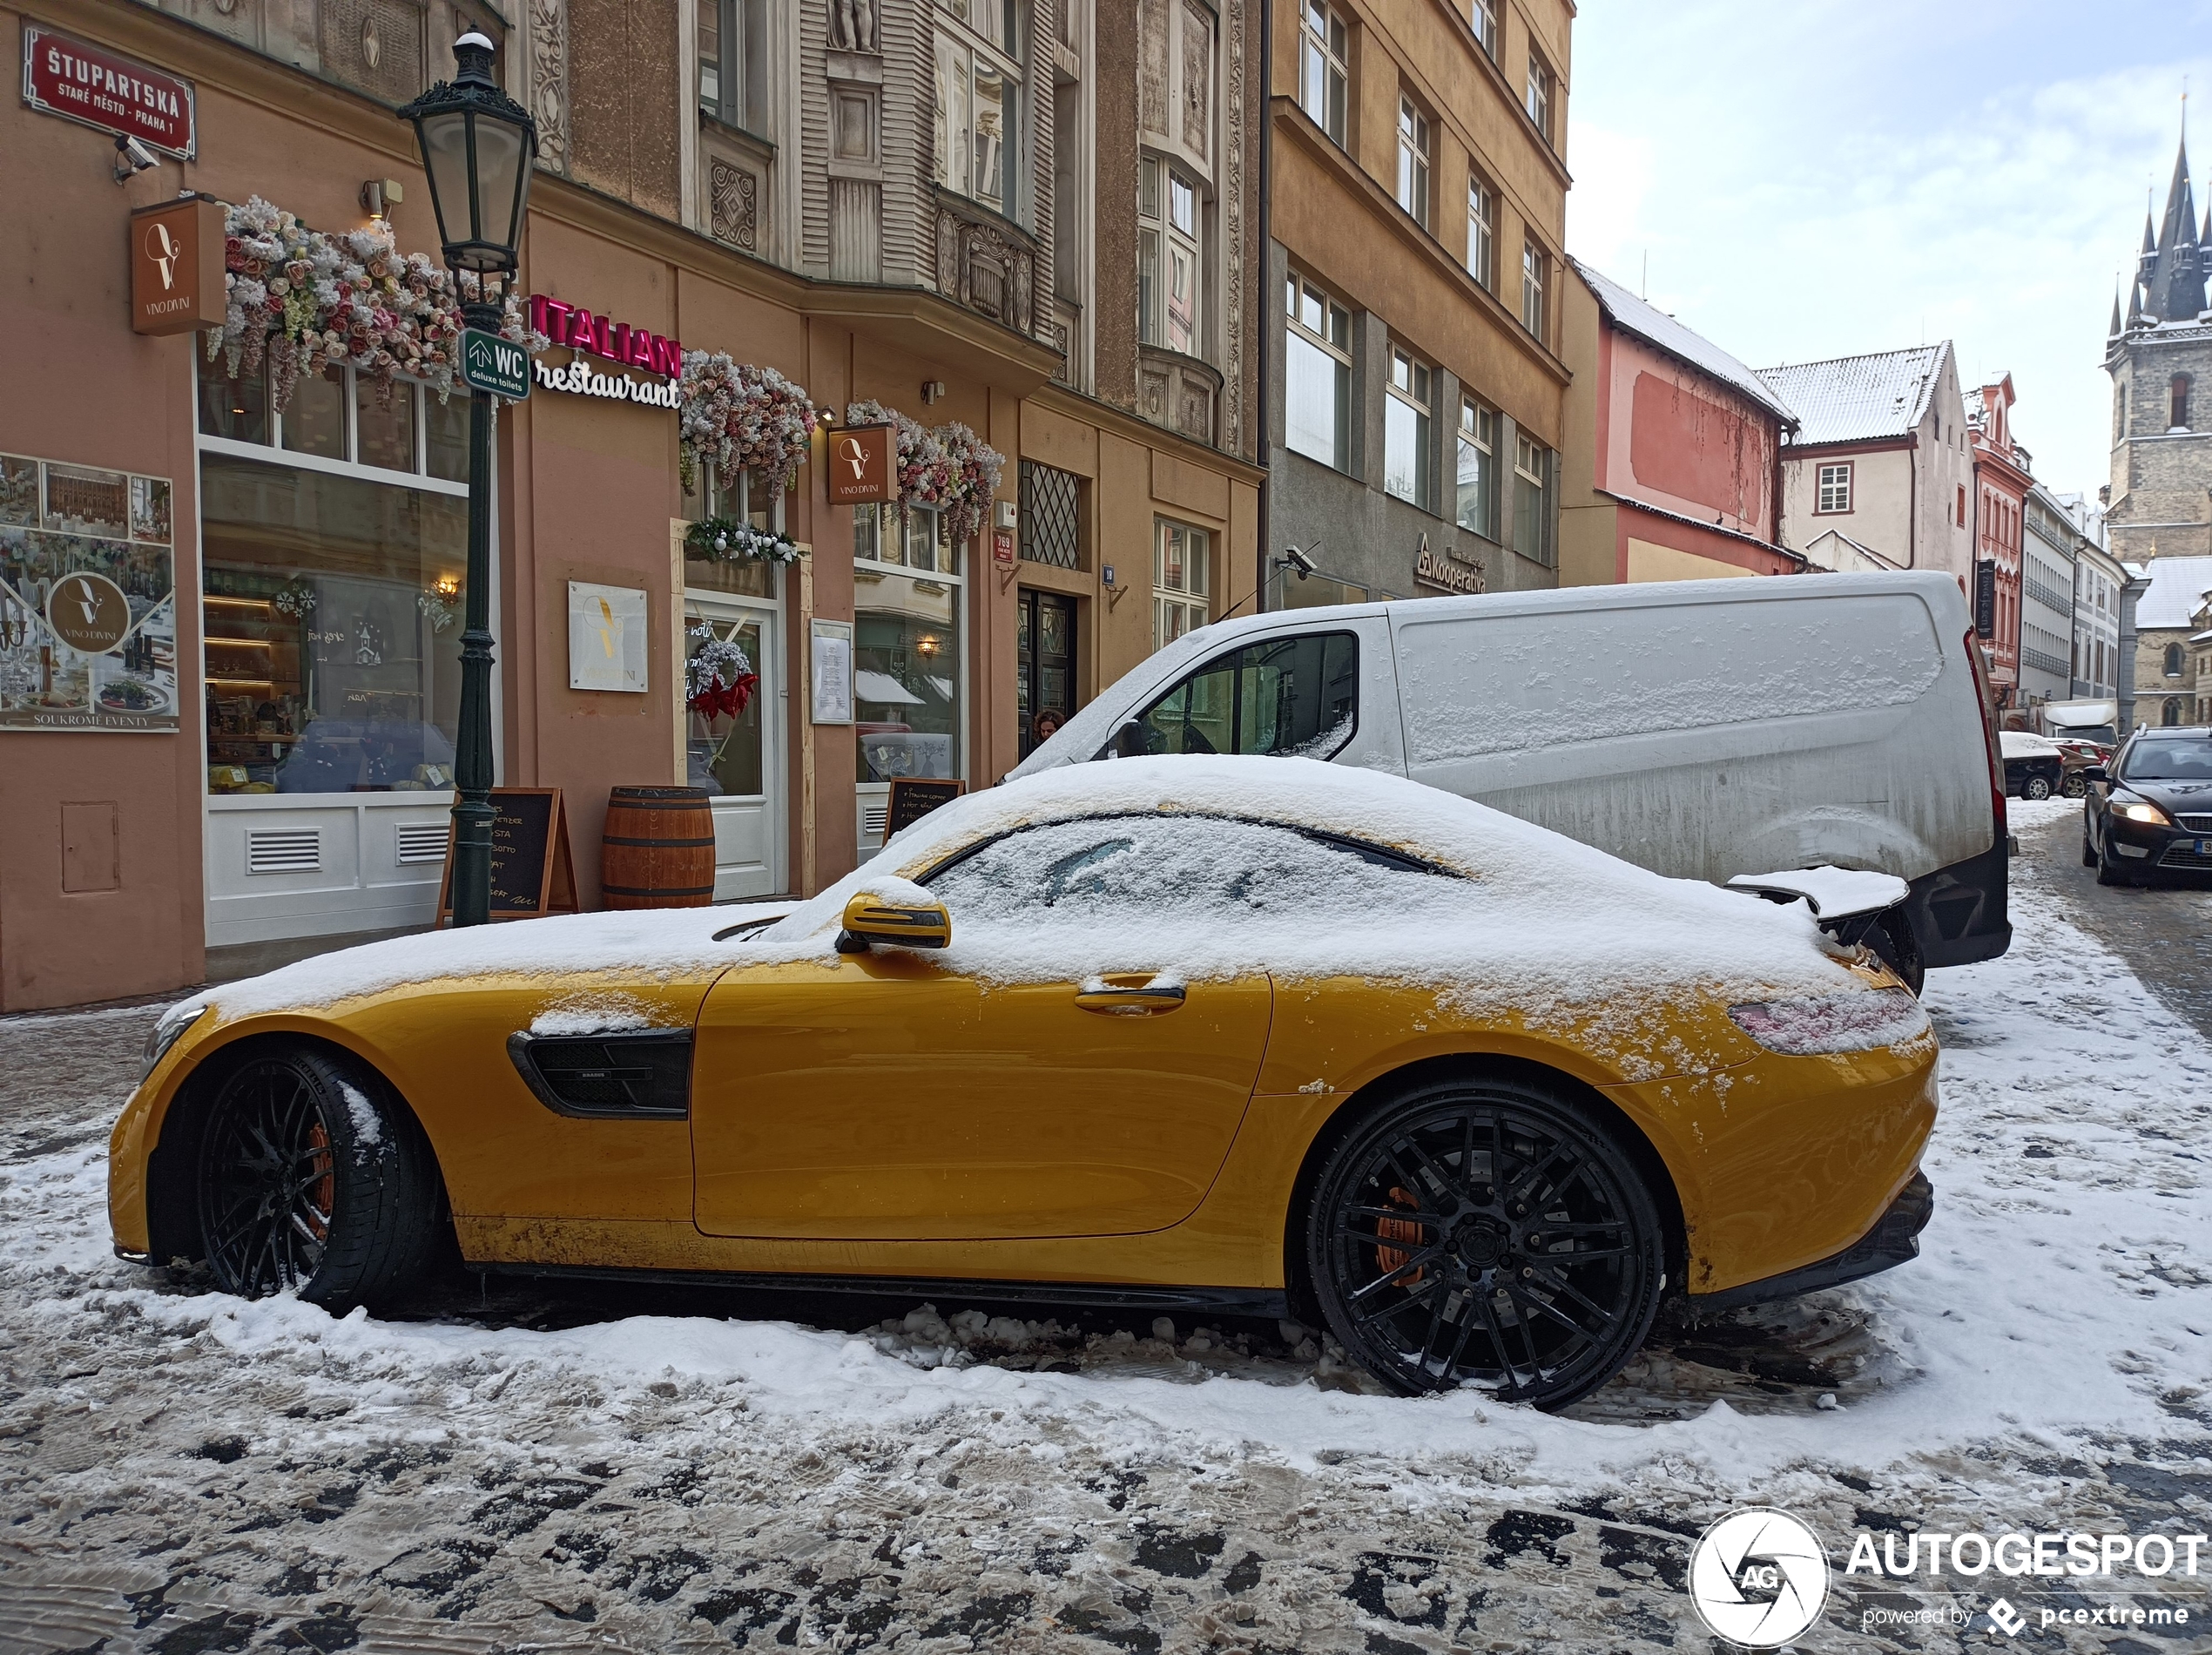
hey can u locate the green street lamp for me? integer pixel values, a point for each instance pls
(478, 147)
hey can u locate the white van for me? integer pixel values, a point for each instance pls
(1703, 729)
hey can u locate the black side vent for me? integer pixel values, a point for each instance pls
(645, 1075)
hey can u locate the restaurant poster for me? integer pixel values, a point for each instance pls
(88, 599)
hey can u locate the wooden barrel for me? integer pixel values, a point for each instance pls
(658, 851)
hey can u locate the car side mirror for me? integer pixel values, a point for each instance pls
(2094, 773)
(871, 920)
(1126, 742)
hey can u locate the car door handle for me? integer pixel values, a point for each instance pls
(1129, 999)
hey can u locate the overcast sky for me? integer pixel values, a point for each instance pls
(1831, 177)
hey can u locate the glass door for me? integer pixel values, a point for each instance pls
(733, 755)
(1045, 665)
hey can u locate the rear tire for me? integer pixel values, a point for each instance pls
(312, 1179)
(2035, 788)
(2075, 787)
(1485, 1233)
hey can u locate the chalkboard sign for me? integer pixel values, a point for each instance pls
(913, 798)
(531, 871)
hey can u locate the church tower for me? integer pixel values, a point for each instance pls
(2159, 353)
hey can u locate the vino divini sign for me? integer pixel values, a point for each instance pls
(587, 334)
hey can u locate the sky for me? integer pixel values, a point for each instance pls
(1832, 177)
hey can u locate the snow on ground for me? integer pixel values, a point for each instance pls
(184, 1465)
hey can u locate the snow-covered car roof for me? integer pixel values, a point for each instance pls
(2022, 744)
(1517, 919)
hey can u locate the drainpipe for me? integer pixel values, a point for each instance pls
(1262, 313)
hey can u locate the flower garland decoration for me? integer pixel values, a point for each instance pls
(304, 299)
(728, 540)
(736, 417)
(950, 468)
(718, 679)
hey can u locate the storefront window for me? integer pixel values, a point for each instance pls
(332, 593)
(749, 498)
(907, 645)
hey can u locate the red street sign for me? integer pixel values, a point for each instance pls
(89, 83)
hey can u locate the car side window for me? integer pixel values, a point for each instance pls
(1296, 697)
(1144, 872)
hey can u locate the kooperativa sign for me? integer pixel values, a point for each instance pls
(81, 82)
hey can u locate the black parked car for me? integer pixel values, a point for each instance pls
(2152, 812)
(2034, 768)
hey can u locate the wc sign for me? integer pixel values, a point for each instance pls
(862, 468)
(495, 365)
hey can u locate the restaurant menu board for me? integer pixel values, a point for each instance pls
(532, 872)
(88, 599)
(913, 798)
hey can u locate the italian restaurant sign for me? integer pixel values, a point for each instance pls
(81, 82)
(589, 335)
(88, 602)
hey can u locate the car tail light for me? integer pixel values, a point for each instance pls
(1809, 1024)
(1988, 735)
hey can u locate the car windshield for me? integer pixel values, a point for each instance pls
(2169, 759)
(2102, 734)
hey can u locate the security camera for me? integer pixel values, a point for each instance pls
(131, 157)
(1299, 561)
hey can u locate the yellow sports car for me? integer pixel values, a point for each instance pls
(1260, 1036)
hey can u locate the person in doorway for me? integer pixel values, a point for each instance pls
(1046, 724)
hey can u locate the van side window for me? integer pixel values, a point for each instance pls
(1295, 697)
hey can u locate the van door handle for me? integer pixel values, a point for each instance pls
(1129, 1000)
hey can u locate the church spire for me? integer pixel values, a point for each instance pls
(2176, 277)
(2113, 331)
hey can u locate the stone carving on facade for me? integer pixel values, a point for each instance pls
(1232, 197)
(852, 25)
(548, 80)
(733, 204)
(988, 267)
(1152, 66)
(1198, 81)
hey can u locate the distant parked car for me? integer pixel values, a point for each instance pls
(2152, 812)
(2034, 767)
(2081, 757)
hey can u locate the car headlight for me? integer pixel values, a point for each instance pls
(1808, 1024)
(168, 1029)
(2143, 810)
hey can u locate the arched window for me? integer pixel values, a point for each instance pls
(2171, 712)
(2173, 660)
(2180, 410)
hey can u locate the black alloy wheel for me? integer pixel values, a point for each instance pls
(1485, 1234)
(309, 1182)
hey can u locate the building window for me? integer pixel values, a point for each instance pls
(1540, 86)
(2120, 413)
(1408, 441)
(1485, 19)
(1477, 506)
(1051, 516)
(1413, 159)
(908, 668)
(2179, 414)
(747, 497)
(1317, 375)
(732, 61)
(2170, 713)
(1532, 273)
(1181, 580)
(1321, 67)
(978, 102)
(2174, 660)
(1962, 505)
(1482, 233)
(1532, 471)
(333, 545)
(1168, 267)
(1834, 492)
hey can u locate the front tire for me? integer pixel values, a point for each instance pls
(312, 1179)
(1485, 1233)
(2109, 865)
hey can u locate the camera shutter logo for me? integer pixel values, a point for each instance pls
(1758, 1578)
(89, 613)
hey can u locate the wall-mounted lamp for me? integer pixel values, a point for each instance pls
(932, 389)
(928, 644)
(380, 196)
(448, 585)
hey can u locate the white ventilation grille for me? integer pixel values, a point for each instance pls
(283, 850)
(422, 842)
(872, 818)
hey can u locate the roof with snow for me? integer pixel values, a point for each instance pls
(1856, 399)
(2177, 589)
(1655, 327)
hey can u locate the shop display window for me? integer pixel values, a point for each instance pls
(906, 661)
(332, 586)
(749, 497)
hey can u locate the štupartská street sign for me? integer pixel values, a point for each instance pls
(493, 364)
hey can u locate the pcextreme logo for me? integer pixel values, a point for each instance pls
(1758, 1578)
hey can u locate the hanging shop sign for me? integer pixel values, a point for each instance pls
(589, 335)
(863, 465)
(494, 366)
(88, 602)
(177, 277)
(1441, 569)
(81, 82)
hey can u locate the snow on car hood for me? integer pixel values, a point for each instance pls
(1539, 925)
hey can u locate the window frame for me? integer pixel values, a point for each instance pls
(1325, 42)
(1535, 278)
(1483, 18)
(954, 34)
(1482, 233)
(1541, 478)
(1192, 605)
(1301, 289)
(1159, 239)
(737, 63)
(1227, 660)
(1828, 476)
(1478, 433)
(1541, 95)
(1411, 386)
(1415, 194)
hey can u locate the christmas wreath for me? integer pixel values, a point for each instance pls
(718, 679)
